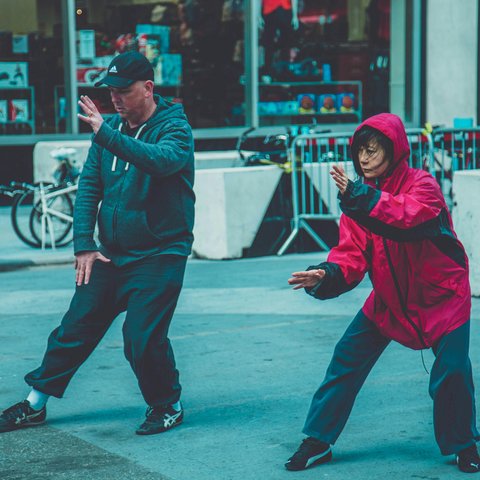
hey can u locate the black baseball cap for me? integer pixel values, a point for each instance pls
(126, 69)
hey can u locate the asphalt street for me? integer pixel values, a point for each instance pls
(251, 353)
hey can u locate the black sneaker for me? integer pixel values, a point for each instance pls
(21, 415)
(160, 419)
(468, 460)
(310, 452)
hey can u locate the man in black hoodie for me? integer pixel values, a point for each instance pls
(140, 168)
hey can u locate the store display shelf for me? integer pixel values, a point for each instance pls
(282, 100)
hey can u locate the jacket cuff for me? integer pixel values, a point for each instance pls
(346, 197)
(84, 244)
(102, 137)
(313, 291)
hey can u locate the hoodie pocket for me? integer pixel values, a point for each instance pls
(105, 225)
(133, 231)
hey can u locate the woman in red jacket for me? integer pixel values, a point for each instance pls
(395, 227)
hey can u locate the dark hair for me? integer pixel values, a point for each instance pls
(363, 137)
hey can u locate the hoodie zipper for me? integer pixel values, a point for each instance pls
(114, 166)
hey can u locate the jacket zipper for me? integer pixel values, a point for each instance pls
(114, 164)
(115, 211)
(399, 293)
(397, 286)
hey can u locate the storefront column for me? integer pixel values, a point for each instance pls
(398, 56)
(452, 55)
(70, 64)
(252, 10)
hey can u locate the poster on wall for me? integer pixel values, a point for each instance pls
(168, 71)
(13, 74)
(86, 43)
(19, 43)
(19, 110)
(89, 72)
(3, 111)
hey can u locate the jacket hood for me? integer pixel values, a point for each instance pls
(392, 127)
(166, 111)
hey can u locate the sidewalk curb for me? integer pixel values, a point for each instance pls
(9, 265)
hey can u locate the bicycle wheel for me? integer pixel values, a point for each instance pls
(55, 225)
(20, 217)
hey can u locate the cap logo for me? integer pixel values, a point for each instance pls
(113, 69)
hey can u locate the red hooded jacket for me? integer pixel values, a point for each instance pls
(398, 229)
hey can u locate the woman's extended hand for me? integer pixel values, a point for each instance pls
(340, 178)
(306, 279)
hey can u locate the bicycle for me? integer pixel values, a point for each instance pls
(42, 213)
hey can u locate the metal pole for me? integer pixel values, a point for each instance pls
(252, 10)
(295, 223)
(70, 64)
(416, 62)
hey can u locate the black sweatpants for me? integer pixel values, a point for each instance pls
(148, 290)
(451, 385)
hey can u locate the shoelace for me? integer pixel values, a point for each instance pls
(152, 412)
(307, 443)
(19, 410)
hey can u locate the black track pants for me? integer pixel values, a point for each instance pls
(451, 385)
(148, 290)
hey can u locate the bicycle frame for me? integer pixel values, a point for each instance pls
(48, 212)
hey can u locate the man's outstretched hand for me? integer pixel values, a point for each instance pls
(306, 279)
(91, 114)
(84, 263)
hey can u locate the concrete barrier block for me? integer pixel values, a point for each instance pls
(466, 219)
(231, 204)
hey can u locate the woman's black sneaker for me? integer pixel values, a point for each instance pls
(310, 452)
(160, 419)
(468, 460)
(21, 415)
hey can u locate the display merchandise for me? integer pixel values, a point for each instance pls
(327, 103)
(346, 102)
(306, 103)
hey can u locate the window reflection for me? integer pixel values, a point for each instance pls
(196, 48)
(323, 60)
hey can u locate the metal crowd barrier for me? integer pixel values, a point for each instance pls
(314, 194)
(453, 150)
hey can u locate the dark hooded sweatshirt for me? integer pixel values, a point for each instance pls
(398, 229)
(145, 186)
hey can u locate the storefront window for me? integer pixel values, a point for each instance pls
(323, 60)
(31, 62)
(195, 47)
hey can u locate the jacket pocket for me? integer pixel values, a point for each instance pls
(133, 231)
(431, 294)
(105, 224)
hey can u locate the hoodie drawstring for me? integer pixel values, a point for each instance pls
(114, 162)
